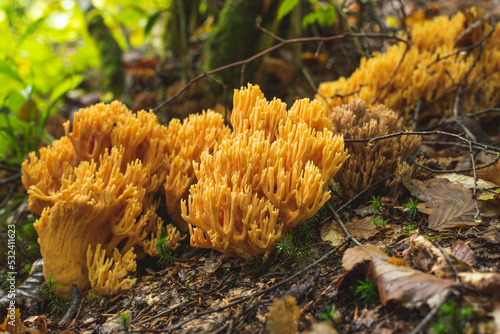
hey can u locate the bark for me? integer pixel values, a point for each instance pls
(234, 38)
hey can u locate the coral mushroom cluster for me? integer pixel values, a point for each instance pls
(271, 174)
(370, 163)
(94, 189)
(445, 57)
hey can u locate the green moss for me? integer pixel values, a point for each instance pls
(234, 38)
(112, 75)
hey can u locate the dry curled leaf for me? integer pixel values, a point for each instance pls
(360, 228)
(423, 255)
(467, 181)
(399, 284)
(461, 250)
(332, 233)
(486, 282)
(357, 255)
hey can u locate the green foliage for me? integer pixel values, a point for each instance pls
(256, 264)
(57, 305)
(383, 222)
(409, 228)
(367, 292)
(296, 246)
(166, 256)
(452, 319)
(4, 277)
(29, 237)
(329, 314)
(412, 207)
(376, 203)
(125, 321)
(380, 222)
(286, 7)
(322, 13)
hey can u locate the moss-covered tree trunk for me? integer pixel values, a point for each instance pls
(112, 69)
(234, 38)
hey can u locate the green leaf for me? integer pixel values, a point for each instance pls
(324, 15)
(286, 7)
(153, 18)
(65, 86)
(9, 71)
(14, 101)
(30, 30)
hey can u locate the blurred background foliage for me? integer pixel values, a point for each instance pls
(46, 51)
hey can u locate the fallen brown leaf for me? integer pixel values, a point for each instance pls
(399, 284)
(462, 251)
(493, 236)
(361, 228)
(423, 255)
(283, 316)
(486, 282)
(491, 173)
(332, 233)
(467, 181)
(447, 204)
(357, 255)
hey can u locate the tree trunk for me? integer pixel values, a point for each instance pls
(112, 71)
(234, 38)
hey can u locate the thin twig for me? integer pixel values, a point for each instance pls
(461, 87)
(448, 258)
(431, 314)
(439, 171)
(425, 133)
(11, 178)
(484, 111)
(477, 217)
(76, 298)
(282, 42)
(348, 235)
(379, 95)
(362, 192)
(170, 310)
(416, 113)
(252, 297)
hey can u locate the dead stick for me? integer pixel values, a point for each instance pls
(339, 222)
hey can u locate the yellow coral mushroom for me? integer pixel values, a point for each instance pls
(276, 163)
(47, 171)
(436, 66)
(186, 142)
(95, 205)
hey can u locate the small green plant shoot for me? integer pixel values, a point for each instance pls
(412, 207)
(376, 203)
(57, 305)
(125, 321)
(367, 292)
(165, 254)
(452, 319)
